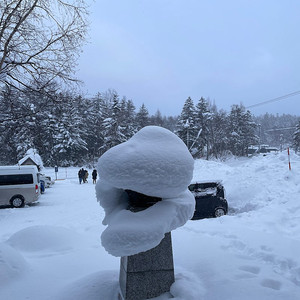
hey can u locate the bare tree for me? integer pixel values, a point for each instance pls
(40, 41)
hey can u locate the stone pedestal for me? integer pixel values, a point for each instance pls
(147, 274)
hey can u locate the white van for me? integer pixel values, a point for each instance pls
(19, 185)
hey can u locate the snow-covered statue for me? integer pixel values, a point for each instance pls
(156, 163)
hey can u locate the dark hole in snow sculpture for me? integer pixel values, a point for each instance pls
(138, 201)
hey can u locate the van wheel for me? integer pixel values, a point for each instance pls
(17, 201)
(219, 212)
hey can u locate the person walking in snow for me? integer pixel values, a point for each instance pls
(85, 176)
(94, 176)
(80, 175)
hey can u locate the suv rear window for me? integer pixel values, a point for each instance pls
(16, 179)
(201, 189)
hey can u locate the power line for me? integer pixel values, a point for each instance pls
(275, 99)
(283, 128)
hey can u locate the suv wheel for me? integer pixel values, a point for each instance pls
(17, 201)
(219, 212)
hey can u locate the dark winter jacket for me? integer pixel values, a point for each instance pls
(81, 173)
(94, 174)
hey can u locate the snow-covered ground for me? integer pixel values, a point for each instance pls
(52, 250)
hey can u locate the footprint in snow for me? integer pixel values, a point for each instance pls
(250, 269)
(266, 248)
(248, 272)
(271, 284)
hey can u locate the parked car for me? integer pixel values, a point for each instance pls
(19, 185)
(46, 180)
(210, 199)
(49, 180)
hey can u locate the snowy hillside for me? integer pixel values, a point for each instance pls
(52, 250)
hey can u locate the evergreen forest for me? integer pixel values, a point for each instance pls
(71, 130)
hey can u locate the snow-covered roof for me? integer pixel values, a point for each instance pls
(217, 181)
(32, 155)
(26, 158)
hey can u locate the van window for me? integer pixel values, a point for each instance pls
(16, 179)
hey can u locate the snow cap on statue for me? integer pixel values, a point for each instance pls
(154, 162)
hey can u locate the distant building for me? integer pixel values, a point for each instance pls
(31, 158)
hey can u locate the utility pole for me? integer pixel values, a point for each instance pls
(259, 137)
(281, 141)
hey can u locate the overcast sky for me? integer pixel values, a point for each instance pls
(160, 52)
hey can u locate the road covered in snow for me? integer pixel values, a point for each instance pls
(52, 250)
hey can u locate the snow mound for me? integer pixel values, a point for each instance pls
(12, 264)
(186, 287)
(104, 285)
(101, 285)
(154, 162)
(44, 238)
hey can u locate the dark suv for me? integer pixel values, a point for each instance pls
(210, 199)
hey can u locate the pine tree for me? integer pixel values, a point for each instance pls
(241, 130)
(186, 128)
(296, 138)
(248, 132)
(157, 119)
(10, 123)
(51, 127)
(30, 129)
(94, 129)
(219, 140)
(37, 103)
(69, 147)
(130, 120)
(203, 124)
(170, 123)
(234, 130)
(114, 131)
(142, 117)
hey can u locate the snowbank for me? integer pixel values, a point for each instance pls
(50, 239)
